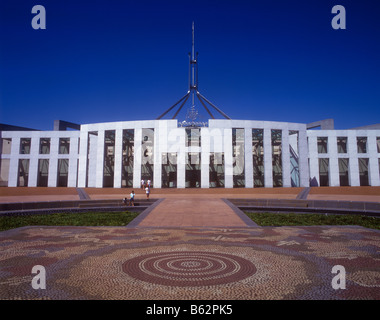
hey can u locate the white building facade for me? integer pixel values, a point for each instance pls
(222, 153)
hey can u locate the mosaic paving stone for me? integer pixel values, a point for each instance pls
(189, 268)
(190, 263)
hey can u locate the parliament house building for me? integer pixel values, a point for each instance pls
(217, 153)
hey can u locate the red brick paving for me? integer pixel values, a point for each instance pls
(190, 212)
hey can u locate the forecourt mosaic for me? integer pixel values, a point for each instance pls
(190, 263)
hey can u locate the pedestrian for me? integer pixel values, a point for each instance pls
(132, 199)
(142, 183)
(147, 190)
(149, 184)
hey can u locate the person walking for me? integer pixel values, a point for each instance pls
(142, 184)
(132, 199)
(147, 190)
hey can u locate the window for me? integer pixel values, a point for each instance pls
(62, 172)
(25, 145)
(258, 157)
(193, 137)
(216, 169)
(277, 158)
(363, 171)
(323, 172)
(294, 158)
(43, 173)
(322, 144)
(147, 154)
(342, 144)
(362, 144)
(64, 146)
(44, 145)
(193, 170)
(23, 172)
(238, 158)
(169, 170)
(128, 157)
(109, 158)
(378, 144)
(343, 171)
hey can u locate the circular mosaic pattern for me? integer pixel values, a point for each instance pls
(189, 268)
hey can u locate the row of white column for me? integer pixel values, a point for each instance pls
(162, 146)
(352, 155)
(34, 158)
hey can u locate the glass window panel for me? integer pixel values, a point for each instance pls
(128, 157)
(44, 145)
(25, 145)
(109, 158)
(43, 172)
(322, 144)
(363, 171)
(277, 158)
(23, 173)
(169, 170)
(63, 172)
(238, 158)
(258, 157)
(64, 146)
(323, 172)
(343, 171)
(362, 144)
(193, 137)
(193, 170)
(342, 144)
(216, 169)
(147, 161)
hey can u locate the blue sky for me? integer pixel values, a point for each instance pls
(276, 60)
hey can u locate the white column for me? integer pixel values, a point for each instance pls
(159, 134)
(286, 182)
(13, 163)
(82, 165)
(118, 158)
(303, 159)
(100, 159)
(181, 158)
(205, 158)
(268, 170)
(53, 162)
(228, 158)
(313, 158)
(353, 159)
(248, 159)
(33, 164)
(373, 165)
(332, 150)
(73, 162)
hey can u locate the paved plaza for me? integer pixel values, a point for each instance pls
(191, 246)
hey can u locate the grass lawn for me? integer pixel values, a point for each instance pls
(293, 219)
(69, 219)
